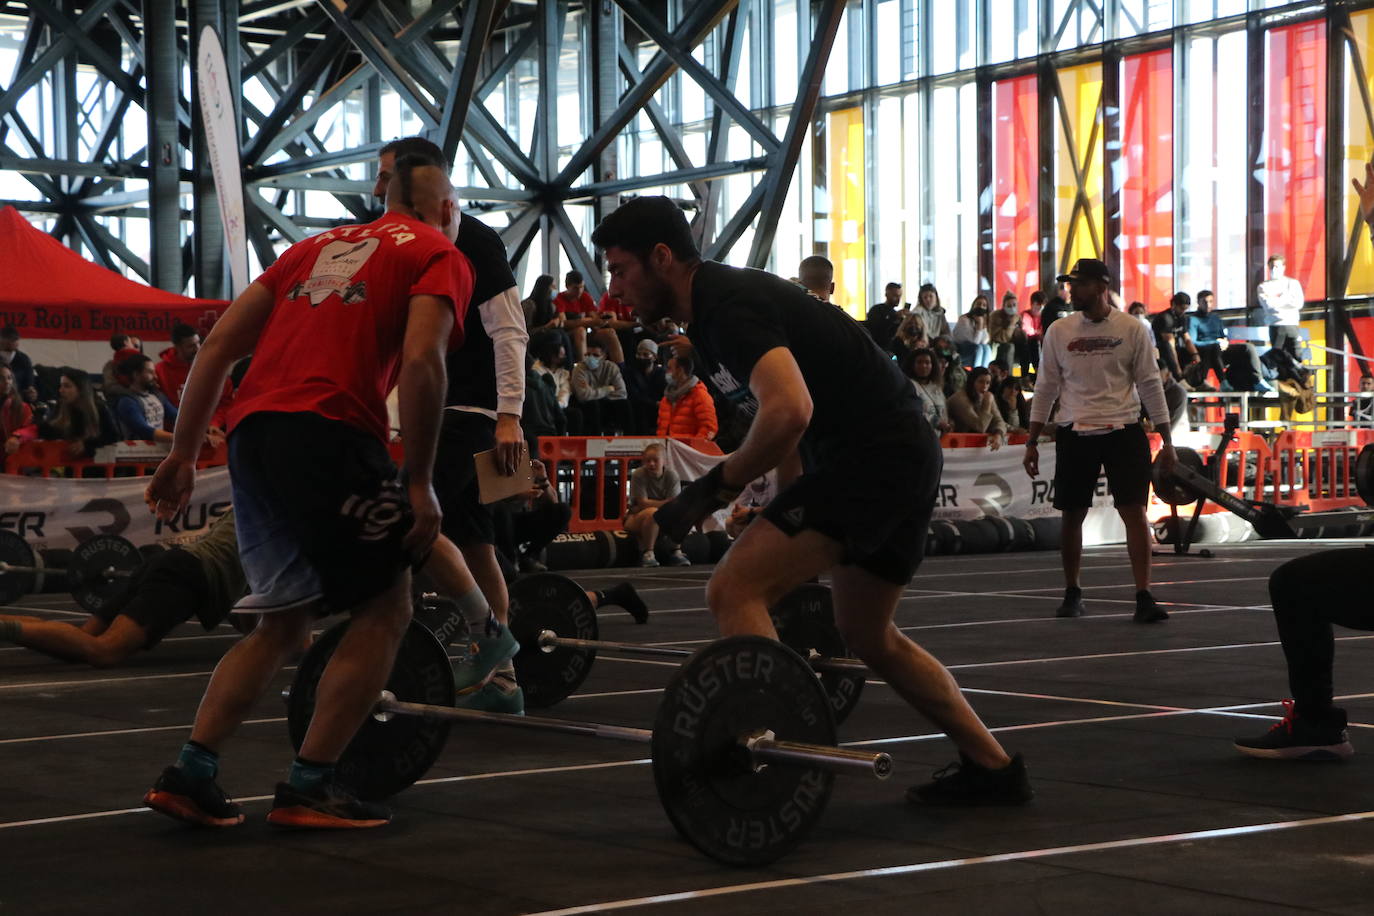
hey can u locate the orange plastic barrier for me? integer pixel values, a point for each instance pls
(1246, 469)
(978, 440)
(1317, 469)
(43, 459)
(592, 474)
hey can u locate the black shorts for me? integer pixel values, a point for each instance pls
(1079, 459)
(164, 593)
(320, 513)
(874, 495)
(463, 434)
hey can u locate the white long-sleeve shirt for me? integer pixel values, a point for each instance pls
(1101, 372)
(965, 333)
(1281, 299)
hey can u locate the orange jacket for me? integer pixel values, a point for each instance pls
(694, 415)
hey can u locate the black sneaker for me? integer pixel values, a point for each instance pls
(966, 783)
(1147, 610)
(1073, 604)
(328, 807)
(201, 803)
(1296, 738)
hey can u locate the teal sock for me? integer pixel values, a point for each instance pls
(475, 610)
(10, 630)
(306, 774)
(198, 762)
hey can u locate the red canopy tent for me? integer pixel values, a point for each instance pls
(51, 292)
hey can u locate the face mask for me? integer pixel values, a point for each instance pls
(593, 362)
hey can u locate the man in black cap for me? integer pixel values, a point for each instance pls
(1100, 364)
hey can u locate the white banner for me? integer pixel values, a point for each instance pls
(51, 512)
(975, 482)
(217, 94)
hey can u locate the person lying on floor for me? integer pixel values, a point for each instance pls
(200, 580)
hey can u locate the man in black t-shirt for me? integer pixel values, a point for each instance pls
(856, 460)
(1171, 336)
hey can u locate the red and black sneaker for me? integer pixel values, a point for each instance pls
(1301, 738)
(327, 807)
(201, 803)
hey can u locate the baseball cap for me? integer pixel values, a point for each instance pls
(647, 347)
(1087, 269)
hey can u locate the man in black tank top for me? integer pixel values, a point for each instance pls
(858, 464)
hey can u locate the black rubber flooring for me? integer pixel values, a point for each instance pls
(1142, 804)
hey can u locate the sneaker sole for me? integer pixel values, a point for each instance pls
(181, 808)
(1318, 753)
(298, 817)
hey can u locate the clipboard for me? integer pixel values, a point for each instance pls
(493, 486)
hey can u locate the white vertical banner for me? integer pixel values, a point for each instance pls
(217, 96)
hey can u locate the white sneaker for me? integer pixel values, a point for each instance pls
(648, 559)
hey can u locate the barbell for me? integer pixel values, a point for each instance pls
(95, 573)
(550, 670)
(742, 746)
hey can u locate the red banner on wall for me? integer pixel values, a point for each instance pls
(52, 292)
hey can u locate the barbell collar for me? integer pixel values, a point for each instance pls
(108, 572)
(763, 749)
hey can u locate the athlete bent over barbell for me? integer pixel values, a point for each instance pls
(200, 580)
(817, 388)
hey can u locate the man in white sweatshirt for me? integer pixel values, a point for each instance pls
(1100, 364)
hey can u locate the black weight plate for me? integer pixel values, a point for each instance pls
(148, 551)
(384, 757)
(805, 621)
(726, 808)
(88, 575)
(1172, 491)
(14, 584)
(975, 536)
(948, 534)
(1364, 475)
(548, 601)
(1022, 534)
(1048, 531)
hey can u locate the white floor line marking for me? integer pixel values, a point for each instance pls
(1153, 585)
(944, 864)
(1233, 711)
(122, 731)
(1099, 655)
(166, 640)
(35, 685)
(31, 611)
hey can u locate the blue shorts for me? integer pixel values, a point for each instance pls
(320, 513)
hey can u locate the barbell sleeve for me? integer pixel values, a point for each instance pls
(762, 748)
(549, 640)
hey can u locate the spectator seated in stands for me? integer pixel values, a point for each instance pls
(174, 365)
(931, 312)
(884, 318)
(1172, 340)
(577, 309)
(645, 382)
(909, 337)
(551, 360)
(1028, 343)
(599, 389)
(540, 415)
(124, 346)
(16, 417)
(1139, 312)
(18, 363)
(951, 368)
(1294, 381)
(923, 367)
(971, 334)
(686, 411)
(80, 420)
(1362, 408)
(1208, 335)
(145, 412)
(1003, 325)
(651, 485)
(1012, 405)
(526, 524)
(972, 409)
(750, 503)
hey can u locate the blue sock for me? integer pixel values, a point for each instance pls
(307, 775)
(198, 762)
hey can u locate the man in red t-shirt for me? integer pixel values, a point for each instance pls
(174, 365)
(324, 522)
(578, 309)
